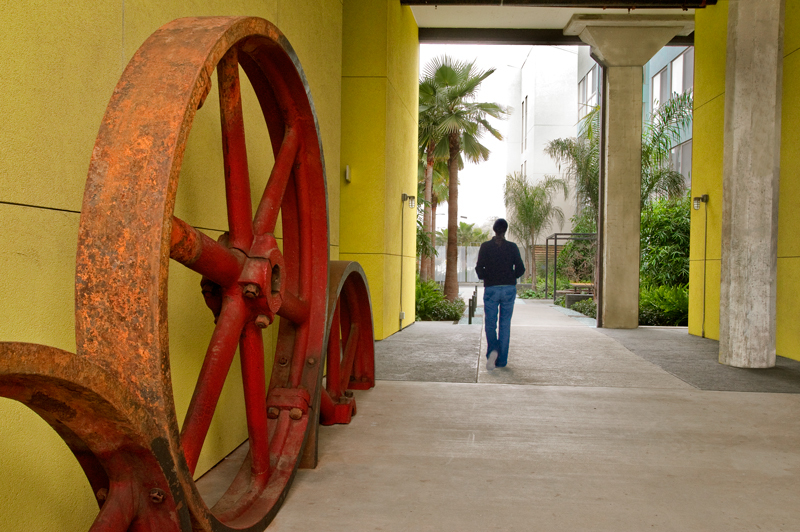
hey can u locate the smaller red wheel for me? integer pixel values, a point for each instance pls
(351, 345)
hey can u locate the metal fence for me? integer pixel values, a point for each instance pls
(467, 258)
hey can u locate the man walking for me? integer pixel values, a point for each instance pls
(499, 266)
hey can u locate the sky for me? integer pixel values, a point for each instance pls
(480, 194)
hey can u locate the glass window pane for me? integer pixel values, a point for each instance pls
(677, 75)
(656, 88)
(665, 93)
(688, 69)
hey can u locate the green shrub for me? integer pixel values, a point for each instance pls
(576, 259)
(431, 304)
(587, 307)
(665, 242)
(664, 305)
(530, 294)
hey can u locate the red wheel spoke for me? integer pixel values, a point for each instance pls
(293, 308)
(212, 378)
(251, 349)
(349, 358)
(234, 149)
(200, 253)
(118, 509)
(267, 213)
(334, 353)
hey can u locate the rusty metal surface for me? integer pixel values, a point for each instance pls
(112, 400)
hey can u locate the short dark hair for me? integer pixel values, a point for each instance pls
(500, 226)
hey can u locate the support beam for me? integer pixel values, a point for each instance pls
(605, 4)
(751, 170)
(622, 45)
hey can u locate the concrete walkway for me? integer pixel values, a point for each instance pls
(579, 433)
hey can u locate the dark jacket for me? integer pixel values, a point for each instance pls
(499, 264)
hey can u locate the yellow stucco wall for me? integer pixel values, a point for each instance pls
(61, 63)
(379, 138)
(707, 163)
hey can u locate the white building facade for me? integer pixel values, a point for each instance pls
(545, 94)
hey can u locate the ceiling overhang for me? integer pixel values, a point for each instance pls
(528, 22)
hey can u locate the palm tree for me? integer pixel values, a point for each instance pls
(579, 158)
(469, 235)
(461, 121)
(437, 183)
(530, 209)
(431, 150)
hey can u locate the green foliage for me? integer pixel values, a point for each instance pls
(665, 242)
(664, 305)
(425, 247)
(469, 235)
(578, 158)
(587, 307)
(576, 261)
(530, 209)
(562, 283)
(431, 304)
(453, 118)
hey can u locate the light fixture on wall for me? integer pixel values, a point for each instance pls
(411, 204)
(347, 173)
(697, 200)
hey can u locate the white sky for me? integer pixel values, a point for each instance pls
(480, 194)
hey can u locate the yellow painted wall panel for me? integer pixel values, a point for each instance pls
(789, 198)
(707, 177)
(365, 53)
(363, 149)
(60, 63)
(401, 176)
(711, 296)
(708, 132)
(314, 28)
(791, 37)
(374, 268)
(403, 48)
(787, 337)
(711, 33)
(42, 487)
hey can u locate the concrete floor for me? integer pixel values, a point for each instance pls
(579, 433)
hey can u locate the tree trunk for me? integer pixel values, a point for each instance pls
(451, 270)
(432, 258)
(425, 272)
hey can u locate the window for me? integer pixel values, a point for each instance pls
(681, 156)
(524, 140)
(676, 78)
(522, 123)
(588, 91)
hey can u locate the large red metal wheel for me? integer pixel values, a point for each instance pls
(112, 401)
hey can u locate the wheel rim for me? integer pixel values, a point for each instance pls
(350, 347)
(128, 233)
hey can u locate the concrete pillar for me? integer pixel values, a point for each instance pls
(622, 44)
(751, 169)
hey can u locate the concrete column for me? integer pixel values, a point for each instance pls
(751, 169)
(622, 44)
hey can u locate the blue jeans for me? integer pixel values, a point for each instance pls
(498, 298)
